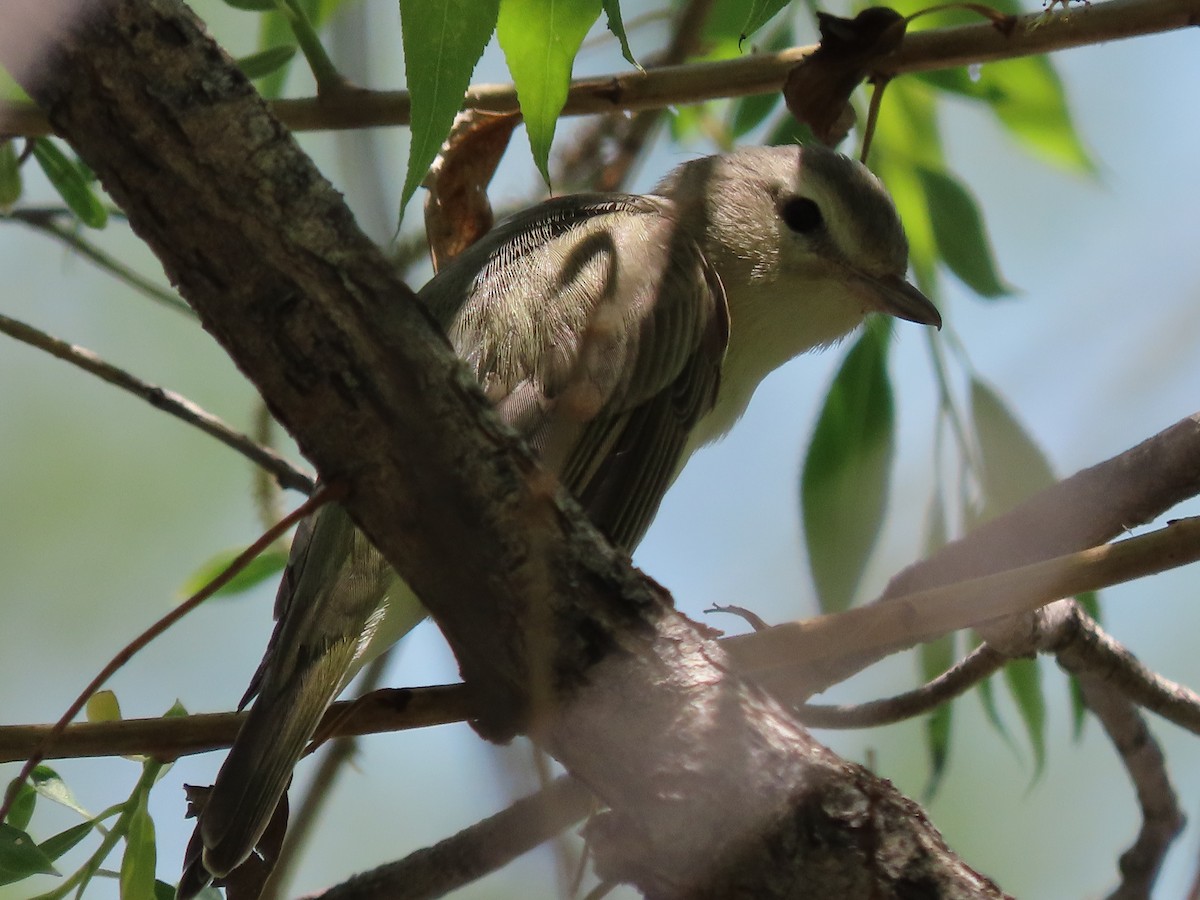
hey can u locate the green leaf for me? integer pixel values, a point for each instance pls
(443, 40)
(275, 30)
(961, 237)
(1028, 99)
(69, 180)
(612, 14)
(1090, 603)
(987, 697)
(252, 5)
(177, 711)
(10, 176)
(103, 706)
(20, 856)
(264, 566)
(1024, 680)
(261, 64)
(844, 485)
(10, 90)
(164, 891)
(907, 136)
(1014, 467)
(936, 657)
(139, 860)
(58, 844)
(761, 11)
(750, 112)
(20, 811)
(540, 39)
(747, 113)
(50, 785)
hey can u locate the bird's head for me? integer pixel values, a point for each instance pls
(805, 230)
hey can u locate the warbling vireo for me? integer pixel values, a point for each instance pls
(617, 333)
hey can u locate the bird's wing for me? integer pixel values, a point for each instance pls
(622, 327)
(620, 357)
(328, 600)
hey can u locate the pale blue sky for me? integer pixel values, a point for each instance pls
(106, 506)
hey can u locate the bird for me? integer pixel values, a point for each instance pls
(616, 333)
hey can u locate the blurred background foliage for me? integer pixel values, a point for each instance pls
(1052, 215)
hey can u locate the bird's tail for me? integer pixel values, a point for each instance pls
(339, 604)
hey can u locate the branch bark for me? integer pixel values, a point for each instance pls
(758, 73)
(715, 791)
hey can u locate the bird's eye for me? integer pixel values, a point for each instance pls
(801, 214)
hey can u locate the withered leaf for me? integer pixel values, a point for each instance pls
(818, 89)
(457, 210)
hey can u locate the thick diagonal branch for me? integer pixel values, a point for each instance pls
(715, 790)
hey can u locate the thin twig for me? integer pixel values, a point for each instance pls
(48, 222)
(391, 709)
(325, 495)
(776, 656)
(792, 657)
(285, 473)
(1085, 510)
(759, 73)
(1162, 819)
(981, 663)
(475, 851)
(1113, 685)
(1092, 651)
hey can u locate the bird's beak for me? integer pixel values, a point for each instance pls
(894, 296)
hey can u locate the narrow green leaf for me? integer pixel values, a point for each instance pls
(443, 41)
(1014, 467)
(261, 64)
(58, 844)
(275, 30)
(69, 180)
(264, 566)
(10, 176)
(1090, 602)
(102, 706)
(20, 856)
(1024, 680)
(20, 811)
(50, 785)
(164, 891)
(936, 657)
(907, 136)
(747, 113)
(1028, 99)
(177, 711)
(252, 5)
(540, 39)
(987, 697)
(10, 90)
(140, 857)
(961, 237)
(612, 14)
(844, 485)
(761, 12)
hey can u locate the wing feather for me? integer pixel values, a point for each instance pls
(597, 327)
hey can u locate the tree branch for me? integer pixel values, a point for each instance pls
(954, 587)
(475, 851)
(388, 709)
(758, 73)
(169, 402)
(715, 791)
